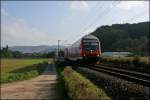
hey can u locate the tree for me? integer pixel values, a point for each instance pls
(124, 37)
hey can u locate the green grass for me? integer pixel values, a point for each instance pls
(60, 81)
(143, 59)
(80, 88)
(131, 58)
(141, 64)
(128, 60)
(8, 65)
(21, 69)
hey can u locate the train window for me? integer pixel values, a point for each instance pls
(90, 43)
(90, 47)
(89, 40)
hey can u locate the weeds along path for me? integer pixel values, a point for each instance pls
(41, 87)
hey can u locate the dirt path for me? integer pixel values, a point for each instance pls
(41, 87)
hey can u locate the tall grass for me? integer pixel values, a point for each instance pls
(141, 64)
(60, 80)
(79, 88)
(126, 60)
(8, 65)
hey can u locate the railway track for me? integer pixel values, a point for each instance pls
(137, 77)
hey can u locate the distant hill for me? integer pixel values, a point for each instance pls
(124, 37)
(33, 49)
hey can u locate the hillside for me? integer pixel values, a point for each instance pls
(35, 49)
(32, 49)
(124, 37)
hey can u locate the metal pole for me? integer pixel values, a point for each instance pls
(58, 49)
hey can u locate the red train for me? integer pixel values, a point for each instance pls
(88, 47)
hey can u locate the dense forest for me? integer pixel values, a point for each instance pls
(124, 37)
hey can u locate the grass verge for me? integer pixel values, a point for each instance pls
(80, 88)
(73, 86)
(141, 64)
(60, 81)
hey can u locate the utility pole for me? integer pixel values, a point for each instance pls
(58, 49)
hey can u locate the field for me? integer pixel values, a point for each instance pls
(20, 69)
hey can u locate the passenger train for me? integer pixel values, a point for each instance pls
(88, 47)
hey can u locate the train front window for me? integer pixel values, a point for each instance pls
(90, 44)
(89, 40)
(90, 47)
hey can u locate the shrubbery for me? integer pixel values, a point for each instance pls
(134, 63)
(80, 88)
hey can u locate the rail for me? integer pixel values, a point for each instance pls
(134, 76)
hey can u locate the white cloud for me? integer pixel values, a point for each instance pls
(3, 12)
(16, 31)
(89, 30)
(80, 35)
(79, 5)
(127, 5)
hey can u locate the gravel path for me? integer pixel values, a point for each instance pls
(41, 87)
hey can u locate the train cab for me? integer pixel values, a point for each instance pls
(85, 48)
(90, 47)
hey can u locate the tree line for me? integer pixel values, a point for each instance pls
(124, 38)
(6, 53)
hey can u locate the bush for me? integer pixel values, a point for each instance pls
(136, 61)
(80, 88)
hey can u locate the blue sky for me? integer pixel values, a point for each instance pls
(46, 22)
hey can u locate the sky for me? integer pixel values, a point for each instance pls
(32, 23)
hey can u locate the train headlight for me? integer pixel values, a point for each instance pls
(83, 54)
(98, 55)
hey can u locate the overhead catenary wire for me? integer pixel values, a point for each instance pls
(93, 21)
(113, 18)
(97, 8)
(136, 16)
(106, 12)
(100, 16)
(132, 18)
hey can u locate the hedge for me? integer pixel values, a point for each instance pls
(136, 61)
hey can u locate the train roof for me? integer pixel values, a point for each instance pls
(89, 36)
